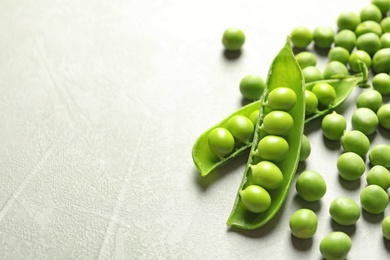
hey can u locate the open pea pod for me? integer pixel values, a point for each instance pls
(206, 161)
(284, 72)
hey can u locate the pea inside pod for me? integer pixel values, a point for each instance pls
(284, 72)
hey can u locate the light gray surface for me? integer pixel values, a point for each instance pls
(101, 102)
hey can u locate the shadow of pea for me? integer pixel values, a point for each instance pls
(332, 145)
(386, 243)
(321, 51)
(385, 133)
(349, 230)
(350, 185)
(314, 206)
(245, 101)
(301, 244)
(232, 55)
(372, 218)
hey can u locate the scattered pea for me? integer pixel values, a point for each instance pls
(255, 198)
(252, 87)
(335, 245)
(368, 26)
(310, 186)
(348, 20)
(278, 122)
(323, 36)
(335, 69)
(380, 176)
(281, 99)
(333, 126)
(350, 166)
(368, 42)
(359, 55)
(273, 148)
(339, 54)
(233, 39)
(385, 40)
(241, 128)
(303, 223)
(221, 141)
(346, 39)
(312, 73)
(365, 120)
(305, 149)
(267, 175)
(344, 211)
(383, 114)
(386, 227)
(301, 37)
(306, 59)
(380, 155)
(374, 199)
(385, 24)
(356, 142)
(383, 5)
(325, 93)
(369, 98)
(311, 102)
(381, 83)
(381, 61)
(370, 13)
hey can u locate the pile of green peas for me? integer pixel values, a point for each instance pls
(273, 148)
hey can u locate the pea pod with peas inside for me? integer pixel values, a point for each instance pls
(206, 160)
(258, 201)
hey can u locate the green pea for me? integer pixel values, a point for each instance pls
(350, 166)
(233, 39)
(323, 36)
(385, 24)
(381, 83)
(346, 39)
(311, 102)
(359, 55)
(334, 69)
(370, 13)
(374, 199)
(339, 54)
(383, 114)
(255, 198)
(254, 116)
(380, 155)
(278, 123)
(383, 5)
(310, 186)
(365, 120)
(305, 149)
(252, 87)
(312, 73)
(301, 37)
(241, 128)
(369, 98)
(325, 93)
(273, 148)
(386, 227)
(344, 211)
(385, 40)
(380, 176)
(381, 61)
(348, 20)
(335, 245)
(306, 59)
(281, 99)
(333, 126)
(356, 142)
(267, 175)
(221, 141)
(368, 26)
(303, 223)
(368, 42)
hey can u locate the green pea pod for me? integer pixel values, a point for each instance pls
(206, 161)
(284, 71)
